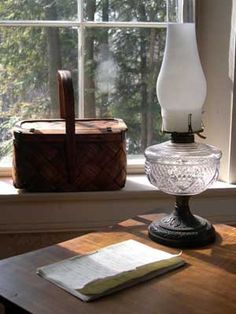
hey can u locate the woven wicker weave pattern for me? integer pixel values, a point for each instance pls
(41, 167)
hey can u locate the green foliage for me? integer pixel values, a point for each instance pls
(36, 10)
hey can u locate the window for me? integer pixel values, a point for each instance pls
(113, 49)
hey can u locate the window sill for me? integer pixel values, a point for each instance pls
(84, 211)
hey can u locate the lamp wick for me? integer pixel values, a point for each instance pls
(190, 129)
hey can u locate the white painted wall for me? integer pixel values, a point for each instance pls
(216, 41)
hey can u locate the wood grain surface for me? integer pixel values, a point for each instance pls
(205, 285)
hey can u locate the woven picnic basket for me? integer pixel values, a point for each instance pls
(69, 154)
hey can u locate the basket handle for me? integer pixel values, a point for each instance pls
(67, 110)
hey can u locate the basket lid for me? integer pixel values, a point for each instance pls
(82, 126)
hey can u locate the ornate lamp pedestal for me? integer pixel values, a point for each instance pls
(181, 228)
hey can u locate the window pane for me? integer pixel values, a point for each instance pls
(38, 9)
(121, 67)
(126, 10)
(173, 10)
(29, 60)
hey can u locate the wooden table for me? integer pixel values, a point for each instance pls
(207, 284)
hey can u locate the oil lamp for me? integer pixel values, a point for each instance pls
(181, 166)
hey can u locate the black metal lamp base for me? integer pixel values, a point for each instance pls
(182, 229)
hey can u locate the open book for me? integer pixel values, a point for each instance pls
(109, 269)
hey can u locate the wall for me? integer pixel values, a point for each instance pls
(214, 36)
